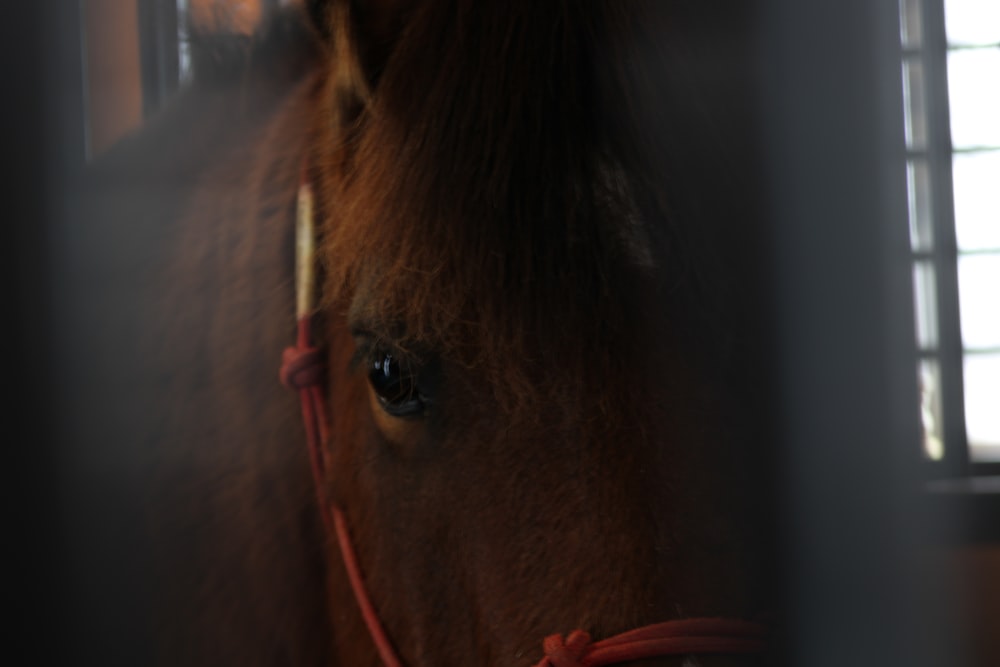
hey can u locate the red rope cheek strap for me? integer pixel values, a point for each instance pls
(302, 369)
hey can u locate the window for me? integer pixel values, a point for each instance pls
(950, 54)
(136, 54)
(131, 62)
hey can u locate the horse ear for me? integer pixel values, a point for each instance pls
(361, 35)
(378, 22)
(319, 16)
(378, 25)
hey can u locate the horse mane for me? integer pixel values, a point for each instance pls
(512, 179)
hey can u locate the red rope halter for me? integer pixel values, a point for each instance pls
(303, 369)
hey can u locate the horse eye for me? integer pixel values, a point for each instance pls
(395, 386)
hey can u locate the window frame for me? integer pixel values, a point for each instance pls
(938, 153)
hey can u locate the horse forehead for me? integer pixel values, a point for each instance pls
(613, 194)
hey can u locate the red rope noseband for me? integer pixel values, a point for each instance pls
(303, 369)
(695, 635)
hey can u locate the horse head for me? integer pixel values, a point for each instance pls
(530, 430)
(534, 420)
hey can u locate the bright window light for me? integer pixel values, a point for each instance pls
(974, 95)
(972, 22)
(978, 281)
(982, 414)
(976, 177)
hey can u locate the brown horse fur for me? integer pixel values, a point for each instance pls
(530, 204)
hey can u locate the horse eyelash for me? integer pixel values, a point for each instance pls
(365, 343)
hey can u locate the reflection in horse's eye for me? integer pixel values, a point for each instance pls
(395, 385)
(387, 365)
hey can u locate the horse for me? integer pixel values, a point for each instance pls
(527, 340)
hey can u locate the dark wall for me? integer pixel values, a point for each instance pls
(42, 152)
(857, 587)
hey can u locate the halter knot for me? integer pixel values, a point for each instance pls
(301, 367)
(568, 652)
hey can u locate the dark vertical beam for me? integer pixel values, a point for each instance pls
(158, 47)
(43, 148)
(844, 391)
